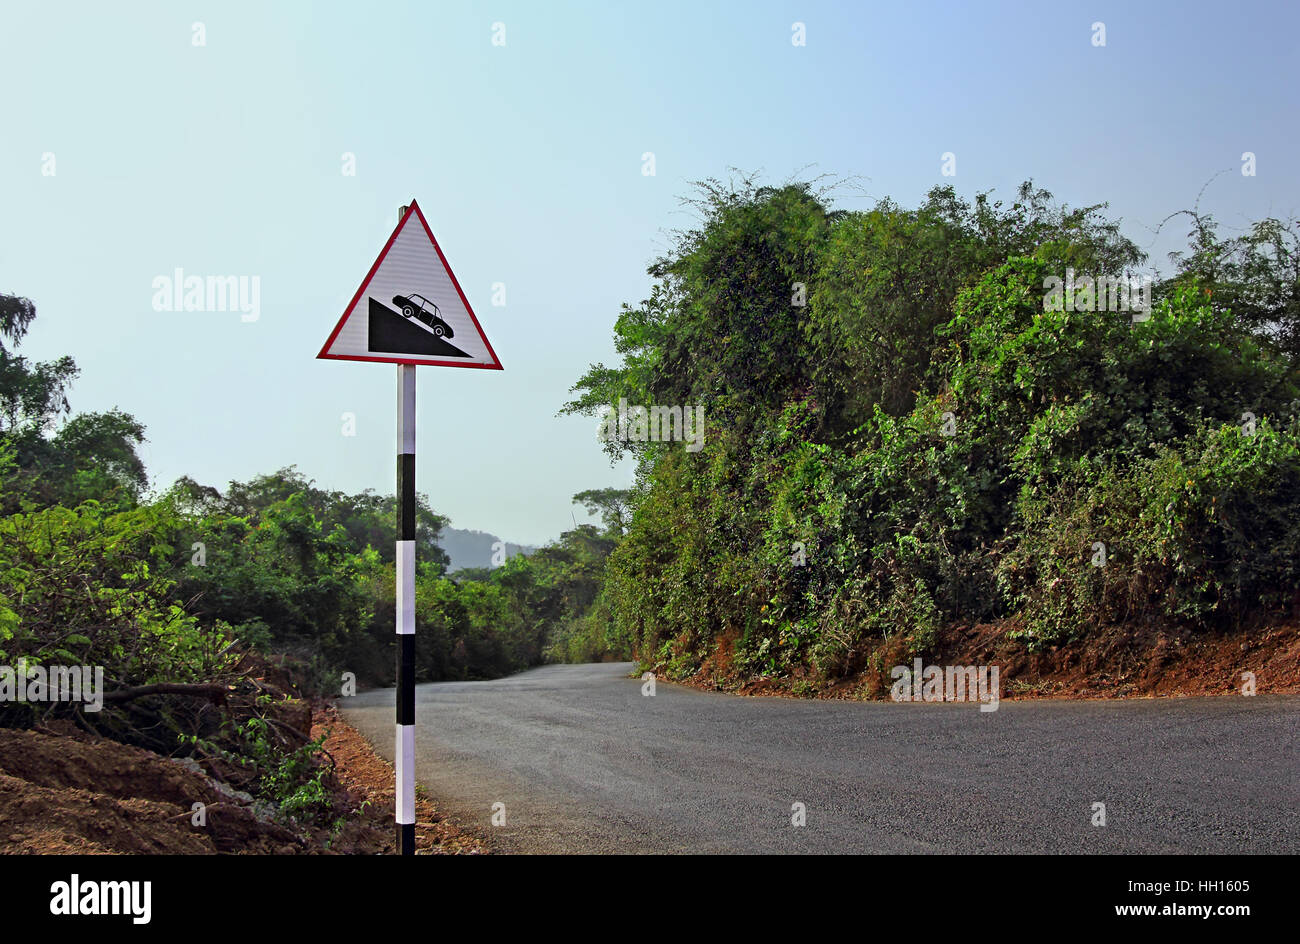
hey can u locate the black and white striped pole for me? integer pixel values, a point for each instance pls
(408, 311)
(405, 581)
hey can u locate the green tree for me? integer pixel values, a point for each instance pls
(91, 456)
(1255, 276)
(723, 324)
(612, 504)
(889, 278)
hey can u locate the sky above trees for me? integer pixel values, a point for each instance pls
(529, 156)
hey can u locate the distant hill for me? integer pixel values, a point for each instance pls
(474, 548)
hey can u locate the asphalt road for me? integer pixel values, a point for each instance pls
(585, 763)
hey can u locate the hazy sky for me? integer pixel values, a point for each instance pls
(227, 158)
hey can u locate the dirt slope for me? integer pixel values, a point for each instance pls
(63, 791)
(1112, 663)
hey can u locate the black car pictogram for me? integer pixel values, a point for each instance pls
(425, 311)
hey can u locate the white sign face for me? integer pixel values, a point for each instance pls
(410, 309)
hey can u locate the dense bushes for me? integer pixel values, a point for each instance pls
(1204, 533)
(941, 443)
(81, 586)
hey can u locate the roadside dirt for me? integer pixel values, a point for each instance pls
(65, 791)
(1114, 663)
(369, 780)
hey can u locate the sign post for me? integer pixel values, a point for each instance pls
(407, 312)
(405, 562)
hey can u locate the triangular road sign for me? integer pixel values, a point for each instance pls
(410, 309)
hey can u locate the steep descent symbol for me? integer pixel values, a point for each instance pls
(391, 331)
(409, 307)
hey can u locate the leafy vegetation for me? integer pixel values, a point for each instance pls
(208, 610)
(902, 435)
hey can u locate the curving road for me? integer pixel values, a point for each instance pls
(585, 763)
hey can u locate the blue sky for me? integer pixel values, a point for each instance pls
(227, 159)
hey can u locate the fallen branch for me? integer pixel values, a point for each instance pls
(298, 735)
(214, 692)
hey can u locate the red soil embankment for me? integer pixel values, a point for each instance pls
(64, 791)
(1111, 663)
